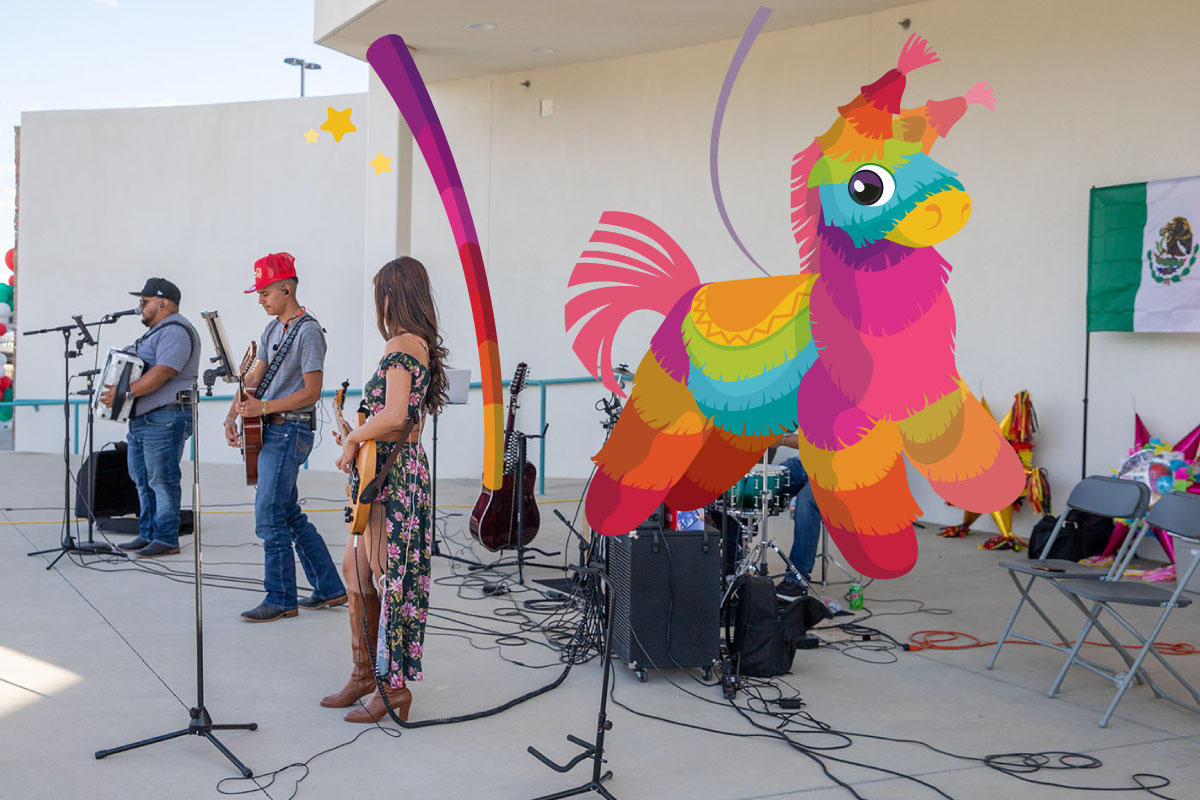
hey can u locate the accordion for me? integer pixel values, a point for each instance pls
(121, 369)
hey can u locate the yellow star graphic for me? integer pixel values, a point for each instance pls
(381, 163)
(310, 136)
(338, 123)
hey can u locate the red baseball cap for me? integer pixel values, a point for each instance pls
(271, 268)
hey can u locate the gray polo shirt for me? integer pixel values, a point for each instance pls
(173, 343)
(307, 354)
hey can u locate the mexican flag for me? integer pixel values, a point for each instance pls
(1142, 270)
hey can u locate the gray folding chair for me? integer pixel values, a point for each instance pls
(1178, 514)
(1096, 494)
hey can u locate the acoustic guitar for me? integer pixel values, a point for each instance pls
(363, 471)
(494, 517)
(250, 430)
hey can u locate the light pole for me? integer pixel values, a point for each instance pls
(303, 65)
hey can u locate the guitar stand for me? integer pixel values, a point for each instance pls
(520, 561)
(593, 751)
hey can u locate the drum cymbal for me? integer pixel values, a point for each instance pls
(622, 371)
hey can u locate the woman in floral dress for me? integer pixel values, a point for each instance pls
(387, 574)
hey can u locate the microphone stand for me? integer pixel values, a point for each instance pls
(201, 723)
(68, 543)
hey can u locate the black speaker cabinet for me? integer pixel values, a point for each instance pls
(666, 597)
(105, 486)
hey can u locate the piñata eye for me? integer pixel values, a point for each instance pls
(871, 186)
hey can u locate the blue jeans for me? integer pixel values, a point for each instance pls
(155, 447)
(281, 524)
(806, 532)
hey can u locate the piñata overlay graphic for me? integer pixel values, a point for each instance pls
(855, 351)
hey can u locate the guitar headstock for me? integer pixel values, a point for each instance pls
(248, 360)
(339, 401)
(518, 381)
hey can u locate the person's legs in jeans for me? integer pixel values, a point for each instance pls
(310, 547)
(806, 530)
(162, 447)
(276, 484)
(135, 460)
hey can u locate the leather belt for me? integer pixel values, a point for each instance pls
(281, 417)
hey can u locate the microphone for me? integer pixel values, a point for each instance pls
(125, 313)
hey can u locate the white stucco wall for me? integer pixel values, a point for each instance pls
(109, 197)
(193, 194)
(1082, 93)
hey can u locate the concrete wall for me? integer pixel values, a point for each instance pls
(194, 194)
(1088, 96)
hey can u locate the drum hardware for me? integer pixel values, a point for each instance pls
(764, 486)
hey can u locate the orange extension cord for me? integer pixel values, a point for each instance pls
(948, 640)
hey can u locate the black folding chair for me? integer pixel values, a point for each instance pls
(1178, 514)
(1096, 494)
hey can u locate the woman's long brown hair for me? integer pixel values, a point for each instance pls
(404, 304)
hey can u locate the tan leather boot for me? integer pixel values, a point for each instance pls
(374, 709)
(362, 649)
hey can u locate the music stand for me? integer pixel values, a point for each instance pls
(200, 723)
(458, 393)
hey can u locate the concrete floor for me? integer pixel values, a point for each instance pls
(92, 659)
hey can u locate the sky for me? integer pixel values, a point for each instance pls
(76, 54)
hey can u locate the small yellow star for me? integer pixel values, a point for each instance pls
(381, 163)
(310, 136)
(338, 123)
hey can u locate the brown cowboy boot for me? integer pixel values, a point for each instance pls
(362, 648)
(374, 709)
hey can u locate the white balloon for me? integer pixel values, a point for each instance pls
(5, 310)
(3, 361)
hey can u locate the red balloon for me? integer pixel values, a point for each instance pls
(5, 382)
(3, 329)
(8, 258)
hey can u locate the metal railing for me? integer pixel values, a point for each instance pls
(542, 384)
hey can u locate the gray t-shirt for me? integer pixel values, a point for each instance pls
(307, 354)
(173, 343)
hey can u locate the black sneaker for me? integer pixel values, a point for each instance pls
(156, 549)
(790, 590)
(265, 613)
(312, 603)
(135, 544)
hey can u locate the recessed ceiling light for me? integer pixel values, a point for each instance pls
(543, 51)
(482, 26)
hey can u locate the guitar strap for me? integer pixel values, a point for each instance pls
(277, 360)
(370, 491)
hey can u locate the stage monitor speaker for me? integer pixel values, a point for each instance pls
(105, 486)
(665, 583)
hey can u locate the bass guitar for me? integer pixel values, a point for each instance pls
(363, 471)
(250, 430)
(494, 517)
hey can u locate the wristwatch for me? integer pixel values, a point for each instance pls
(130, 397)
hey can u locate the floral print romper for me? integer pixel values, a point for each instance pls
(405, 504)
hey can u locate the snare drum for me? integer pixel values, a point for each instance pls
(121, 369)
(765, 483)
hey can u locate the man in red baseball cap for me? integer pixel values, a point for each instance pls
(287, 378)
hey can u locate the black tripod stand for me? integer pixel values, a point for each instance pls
(595, 576)
(68, 544)
(201, 722)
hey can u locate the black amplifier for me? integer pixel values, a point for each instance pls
(666, 589)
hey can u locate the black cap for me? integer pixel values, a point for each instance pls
(159, 287)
